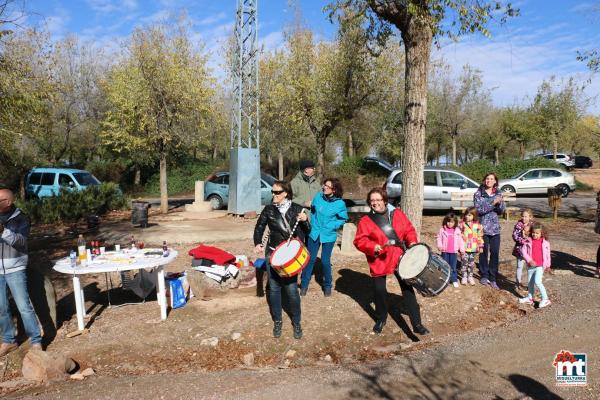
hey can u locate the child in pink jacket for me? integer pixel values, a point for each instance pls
(450, 243)
(536, 253)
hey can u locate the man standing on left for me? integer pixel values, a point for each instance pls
(14, 230)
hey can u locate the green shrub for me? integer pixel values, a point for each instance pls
(180, 179)
(476, 170)
(107, 171)
(349, 167)
(71, 206)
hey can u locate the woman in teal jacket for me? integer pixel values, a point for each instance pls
(329, 214)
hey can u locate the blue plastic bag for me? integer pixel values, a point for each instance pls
(177, 292)
(260, 263)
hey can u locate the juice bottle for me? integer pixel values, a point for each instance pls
(81, 250)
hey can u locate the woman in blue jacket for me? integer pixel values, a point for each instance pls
(329, 214)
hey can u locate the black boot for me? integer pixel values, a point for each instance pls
(421, 330)
(303, 291)
(378, 328)
(277, 329)
(297, 331)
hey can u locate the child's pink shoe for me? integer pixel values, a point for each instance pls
(463, 281)
(526, 300)
(471, 281)
(544, 303)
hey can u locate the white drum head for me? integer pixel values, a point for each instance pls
(413, 261)
(285, 253)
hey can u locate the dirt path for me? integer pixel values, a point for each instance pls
(481, 344)
(508, 361)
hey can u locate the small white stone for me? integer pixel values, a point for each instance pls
(88, 372)
(77, 377)
(236, 336)
(213, 341)
(290, 354)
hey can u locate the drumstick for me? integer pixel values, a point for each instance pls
(294, 230)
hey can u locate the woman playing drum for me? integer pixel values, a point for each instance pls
(383, 255)
(281, 217)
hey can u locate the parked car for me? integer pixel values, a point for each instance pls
(583, 162)
(376, 166)
(539, 180)
(46, 182)
(216, 189)
(561, 158)
(440, 183)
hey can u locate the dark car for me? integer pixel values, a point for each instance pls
(376, 166)
(583, 162)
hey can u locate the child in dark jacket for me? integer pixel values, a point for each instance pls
(520, 234)
(450, 243)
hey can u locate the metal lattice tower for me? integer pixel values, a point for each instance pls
(244, 127)
(244, 179)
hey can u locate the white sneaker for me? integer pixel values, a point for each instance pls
(526, 300)
(545, 303)
(455, 284)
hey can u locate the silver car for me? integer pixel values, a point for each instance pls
(440, 183)
(538, 181)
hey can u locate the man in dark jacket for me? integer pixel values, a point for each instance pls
(14, 231)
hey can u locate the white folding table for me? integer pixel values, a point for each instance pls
(117, 262)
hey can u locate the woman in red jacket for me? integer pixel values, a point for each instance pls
(383, 255)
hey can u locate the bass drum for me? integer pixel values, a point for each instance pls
(424, 270)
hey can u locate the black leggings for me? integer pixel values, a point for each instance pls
(408, 297)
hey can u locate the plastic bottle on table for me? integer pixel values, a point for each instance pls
(165, 249)
(81, 250)
(73, 258)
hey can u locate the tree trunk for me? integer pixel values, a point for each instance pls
(454, 150)
(280, 165)
(438, 153)
(496, 156)
(321, 144)
(555, 146)
(164, 195)
(417, 44)
(215, 152)
(270, 159)
(137, 177)
(522, 150)
(350, 144)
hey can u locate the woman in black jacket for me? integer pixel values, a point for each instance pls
(281, 217)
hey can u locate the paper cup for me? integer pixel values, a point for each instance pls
(117, 247)
(102, 250)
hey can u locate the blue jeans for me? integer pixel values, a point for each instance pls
(491, 246)
(534, 277)
(313, 249)
(17, 283)
(450, 258)
(290, 285)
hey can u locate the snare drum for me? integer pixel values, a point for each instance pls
(289, 259)
(424, 270)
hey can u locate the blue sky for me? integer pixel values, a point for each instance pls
(542, 42)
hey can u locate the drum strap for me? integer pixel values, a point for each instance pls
(385, 225)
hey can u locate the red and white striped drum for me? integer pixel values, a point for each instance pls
(289, 258)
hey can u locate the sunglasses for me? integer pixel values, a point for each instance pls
(277, 191)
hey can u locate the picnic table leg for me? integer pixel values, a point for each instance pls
(79, 303)
(161, 293)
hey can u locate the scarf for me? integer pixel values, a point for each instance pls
(283, 207)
